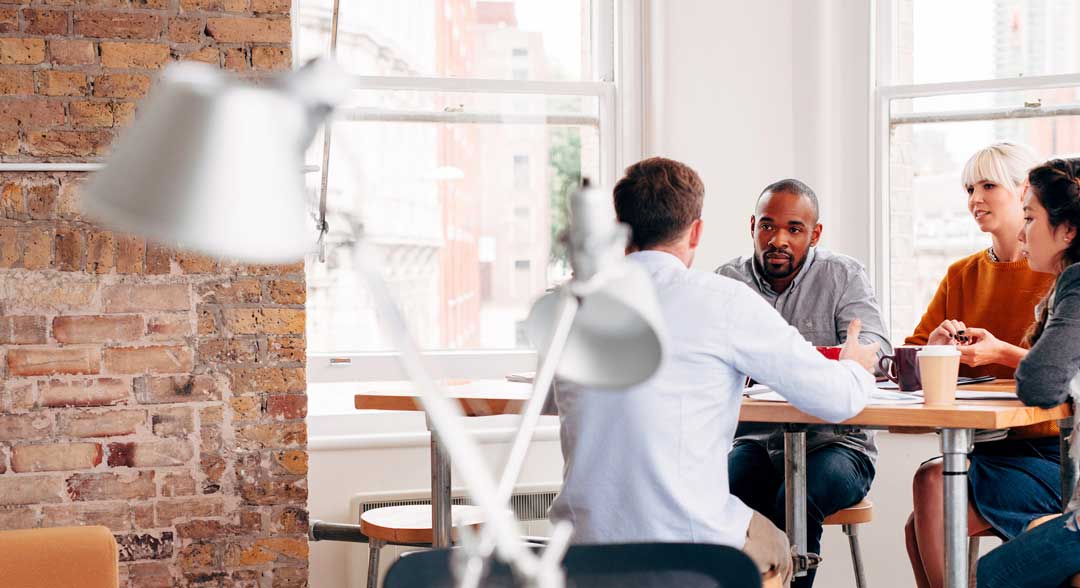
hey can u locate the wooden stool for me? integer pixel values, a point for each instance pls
(850, 518)
(409, 525)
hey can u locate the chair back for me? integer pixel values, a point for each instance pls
(627, 565)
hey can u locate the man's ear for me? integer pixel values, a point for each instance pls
(753, 225)
(695, 232)
(815, 235)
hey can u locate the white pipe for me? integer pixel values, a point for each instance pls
(361, 114)
(423, 84)
(1010, 112)
(1001, 85)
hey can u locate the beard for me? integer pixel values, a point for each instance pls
(781, 265)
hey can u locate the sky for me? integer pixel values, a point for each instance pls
(560, 23)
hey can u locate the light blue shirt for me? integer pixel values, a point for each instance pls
(649, 463)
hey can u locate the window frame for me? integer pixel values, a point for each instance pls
(618, 60)
(884, 91)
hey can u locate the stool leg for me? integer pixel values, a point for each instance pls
(852, 532)
(973, 560)
(374, 547)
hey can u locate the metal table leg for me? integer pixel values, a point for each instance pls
(440, 493)
(1068, 468)
(955, 446)
(795, 495)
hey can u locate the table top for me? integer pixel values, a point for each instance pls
(494, 397)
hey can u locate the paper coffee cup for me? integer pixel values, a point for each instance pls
(939, 365)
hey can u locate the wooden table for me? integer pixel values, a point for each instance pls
(955, 424)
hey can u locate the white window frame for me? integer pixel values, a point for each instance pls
(618, 59)
(885, 90)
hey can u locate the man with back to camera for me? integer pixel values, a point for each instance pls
(819, 293)
(646, 463)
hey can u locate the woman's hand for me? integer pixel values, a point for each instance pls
(983, 348)
(949, 332)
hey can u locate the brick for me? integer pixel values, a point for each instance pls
(91, 114)
(191, 263)
(169, 326)
(186, 30)
(69, 205)
(96, 328)
(158, 259)
(246, 408)
(12, 199)
(197, 556)
(270, 7)
(153, 359)
(62, 83)
(287, 291)
(112, 423)
(9, 23)
(209, 55)
(214, 5)
(121, 85)
(202, 529)
(16, 82)
(170, 511)
(130, 254)
(16, 395)
(208, 322)
(47, 361)
(100, 252)
(176, 485)
(271, 58)
(293, 462)
(36, 426)
(123, 55)
(10, 250)
(286, 349)
(89, 392)
(115, 516)
(141, 454)
(289, 520)
(14, 51)
(123, 113)
(278, 435)
(265, 551)
(44, 22)
(10, 143)
(212, 415)
(236, 59)
(135, 547)
(70, 250)
(213, 468)
(72, 52)
(271, 270)
(146, 297)
(151, 4)
(279, 380)
(31, 490)
(18, 518)
(37, 248)
(34, 114)
(67, 143)
(287, 407)
(230, 291)
(227, 351)
(249, 30)
(290, 577)
(173, 422)
(150, 574)
(22, 330)
(129, 485)
(118, 25)
(210, 439)
(272, 321)
(143, 515)
(41, 200)
(159, 390)
(55, 457)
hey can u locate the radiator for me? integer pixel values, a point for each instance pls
(530, 504)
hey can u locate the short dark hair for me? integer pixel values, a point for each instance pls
(659, 198)
(792, 186)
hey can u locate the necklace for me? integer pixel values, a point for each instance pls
(993, 256)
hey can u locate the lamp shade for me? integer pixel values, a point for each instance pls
(215, 166)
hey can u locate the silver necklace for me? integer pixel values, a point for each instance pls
(993, 256)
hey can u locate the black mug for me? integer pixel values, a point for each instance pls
(902, 368)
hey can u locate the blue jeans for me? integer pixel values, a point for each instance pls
(837, 477)
(1044, 557)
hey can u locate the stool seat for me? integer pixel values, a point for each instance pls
(862, 512)
(412, 523)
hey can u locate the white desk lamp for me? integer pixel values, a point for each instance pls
(215, 166)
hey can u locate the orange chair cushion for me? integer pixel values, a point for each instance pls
(863, 512)
(63, 557)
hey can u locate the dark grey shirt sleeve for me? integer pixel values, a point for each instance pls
(1043, 377)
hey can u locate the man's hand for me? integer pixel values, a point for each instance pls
(866, 355)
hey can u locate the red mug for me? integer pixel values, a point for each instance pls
(830, 352)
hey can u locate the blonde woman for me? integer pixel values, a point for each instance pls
(1015, 479)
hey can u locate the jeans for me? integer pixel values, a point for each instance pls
(836, 478)
(1044, 557)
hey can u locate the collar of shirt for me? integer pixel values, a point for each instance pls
(654, 259)
(763, 284)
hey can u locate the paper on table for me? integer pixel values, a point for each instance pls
(878, 398)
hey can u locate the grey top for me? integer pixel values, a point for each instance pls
(1043, 378)
(828, 293)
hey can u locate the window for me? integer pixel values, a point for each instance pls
(458, 166)
(944, 92)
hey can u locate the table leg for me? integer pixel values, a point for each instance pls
(1068, 468)
(440, 493)
(955, 446)
(795, 495)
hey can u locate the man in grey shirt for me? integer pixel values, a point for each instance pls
(819, 293)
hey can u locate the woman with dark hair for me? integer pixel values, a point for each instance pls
(1048, 554)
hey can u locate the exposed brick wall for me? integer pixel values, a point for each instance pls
(156, 392)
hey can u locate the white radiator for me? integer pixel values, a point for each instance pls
(529, 502)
